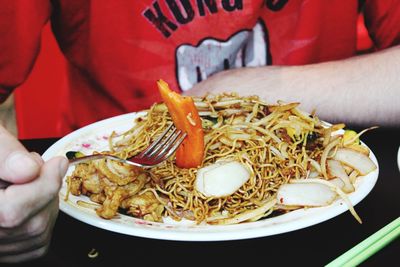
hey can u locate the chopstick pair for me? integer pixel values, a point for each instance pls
(369, 246)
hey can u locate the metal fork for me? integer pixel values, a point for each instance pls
(161, 149)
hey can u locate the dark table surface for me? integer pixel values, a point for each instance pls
(312, 246)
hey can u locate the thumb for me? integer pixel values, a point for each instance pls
(25, 200)
(17, 165)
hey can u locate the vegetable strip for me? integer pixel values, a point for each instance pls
(185, 116)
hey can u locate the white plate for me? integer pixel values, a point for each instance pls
(398, 158)
(94, 137)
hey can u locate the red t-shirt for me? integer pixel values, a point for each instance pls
(117, 50)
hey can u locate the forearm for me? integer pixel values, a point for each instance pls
(362, 90)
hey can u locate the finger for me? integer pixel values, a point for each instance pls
(34, 239)
(37, 233)
(36, 156)
(17, 165)
(35, 226)
(19, 202)
(25, 245)
(4, 184)
(23, 257)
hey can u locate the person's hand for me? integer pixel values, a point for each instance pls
(28, 200)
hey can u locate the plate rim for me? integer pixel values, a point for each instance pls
(294, 220)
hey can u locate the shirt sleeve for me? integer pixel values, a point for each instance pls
(382, 19)
(21, 24)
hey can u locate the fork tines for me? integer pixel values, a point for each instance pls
(164, 146)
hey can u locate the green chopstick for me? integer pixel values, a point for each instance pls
(369, 246)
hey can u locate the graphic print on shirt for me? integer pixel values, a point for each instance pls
(184, 12)
(247, 48)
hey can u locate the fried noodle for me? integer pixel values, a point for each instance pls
(276, 143)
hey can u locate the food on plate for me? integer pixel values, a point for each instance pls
(221, 179)
(243, 160)
(186, 118)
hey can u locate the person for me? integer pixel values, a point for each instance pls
(29, 207)
(303, 51)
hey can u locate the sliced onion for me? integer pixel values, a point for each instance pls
(357, 160)
(221, 178)
(336, 169)
(337, 182)
(333, 187)
(359, 148)
(308, 195)
(325, 154)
